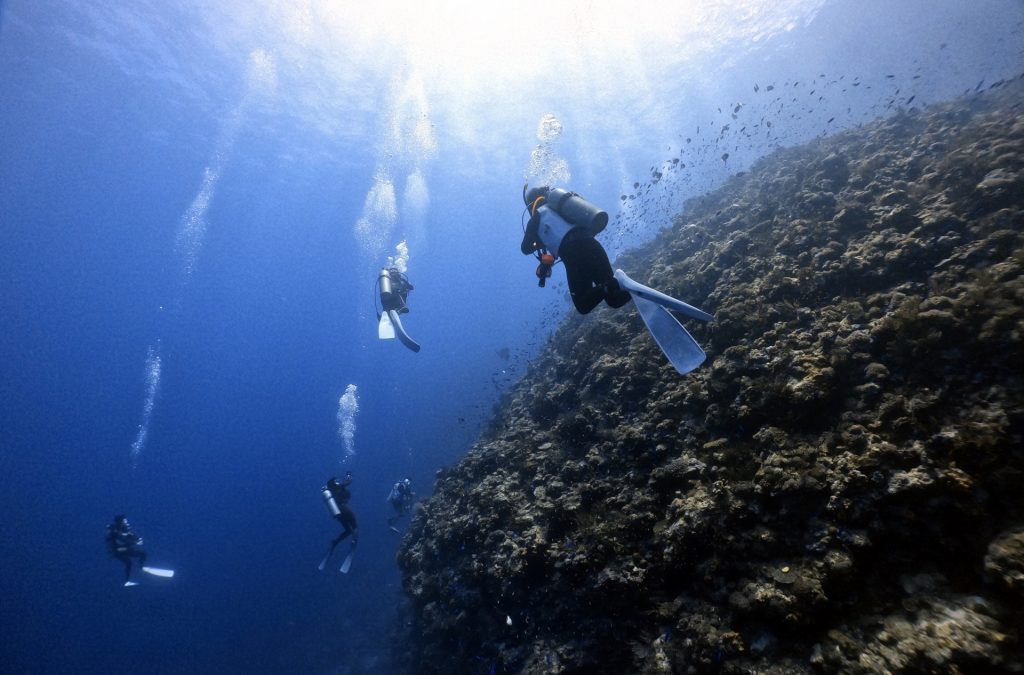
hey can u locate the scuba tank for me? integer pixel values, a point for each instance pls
(577, 210)
(388, 297)
(332, 505)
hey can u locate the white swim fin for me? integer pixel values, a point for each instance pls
(637, 289)
(677, 344)
(346, 564)
(385, 329)
(158, 572)
(129, 584)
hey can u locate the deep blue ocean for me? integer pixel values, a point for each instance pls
(196, 198)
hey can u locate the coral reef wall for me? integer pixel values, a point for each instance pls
(839, 488)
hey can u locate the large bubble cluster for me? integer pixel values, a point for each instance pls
(348, 408)
(153, 368)
(546, 166)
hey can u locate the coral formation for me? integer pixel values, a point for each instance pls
(836, 490)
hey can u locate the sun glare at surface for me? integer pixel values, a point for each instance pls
(465, 41)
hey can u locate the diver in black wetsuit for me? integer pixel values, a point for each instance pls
(549, 235)
(124, 545)
(394, 287)
(394, 295)
(340, 495)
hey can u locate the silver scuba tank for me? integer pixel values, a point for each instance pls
(387, 291)
(577, 210)
(332, 505)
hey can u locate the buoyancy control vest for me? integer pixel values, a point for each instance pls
(561, 211)
(552, 229)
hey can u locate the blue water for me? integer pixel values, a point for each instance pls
(188, 183)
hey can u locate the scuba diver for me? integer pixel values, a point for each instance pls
(400, 498)
(393, 287)
(564, 225)
(124, 545)
(336, 496)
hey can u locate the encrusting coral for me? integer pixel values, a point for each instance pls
(838, 489)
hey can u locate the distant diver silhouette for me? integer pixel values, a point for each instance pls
(336, 496)
(393, 288)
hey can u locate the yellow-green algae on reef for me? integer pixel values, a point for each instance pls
(838, 489)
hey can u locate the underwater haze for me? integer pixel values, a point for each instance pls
(195, 202)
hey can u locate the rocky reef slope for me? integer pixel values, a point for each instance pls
(840, 488)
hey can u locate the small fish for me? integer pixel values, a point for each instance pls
(725, 157)
(911, 99)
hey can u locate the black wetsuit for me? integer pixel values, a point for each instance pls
(339, 490)
(125, 545)
(400, 287)
(587, 267)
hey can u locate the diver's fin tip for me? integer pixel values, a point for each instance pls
(638, 290)
(399, 329)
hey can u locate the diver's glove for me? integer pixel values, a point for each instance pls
(547, 261)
